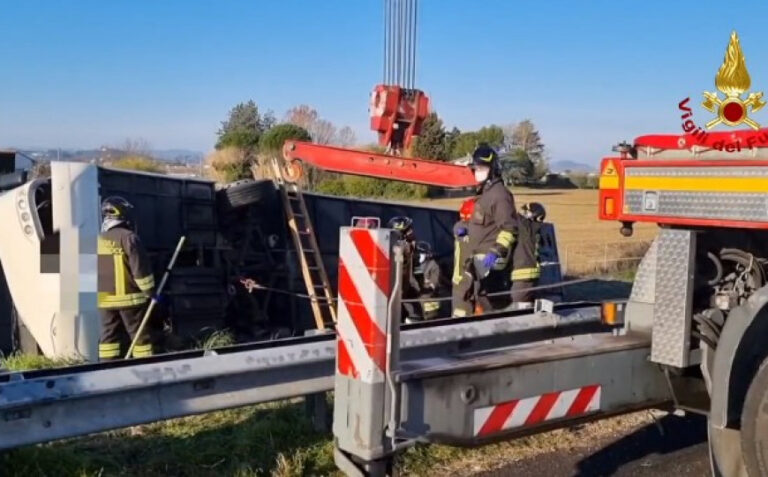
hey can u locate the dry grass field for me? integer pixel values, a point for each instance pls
(586, 244)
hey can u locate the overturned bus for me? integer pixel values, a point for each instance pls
(233, 232)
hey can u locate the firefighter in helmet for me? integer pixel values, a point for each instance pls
(125, 281)
(427, 274)
(525, 260)
(463, 282)
(410, 287)
(491, 229)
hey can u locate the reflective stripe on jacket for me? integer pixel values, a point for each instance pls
(125, 276)
(525, 258)
(460, 251)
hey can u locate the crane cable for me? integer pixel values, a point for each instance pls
(400, 42)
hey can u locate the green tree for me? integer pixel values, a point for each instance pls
(244, 128)
(271, 145)
(516, 167)
(450, 141)
(464, 144)
(271, 142)
(492, 135)
(525, 136)
(431, 142)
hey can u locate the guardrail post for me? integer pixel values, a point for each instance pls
(363, 400)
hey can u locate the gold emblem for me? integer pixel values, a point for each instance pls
(733, 80)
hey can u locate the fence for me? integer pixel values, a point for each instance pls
(601, 257)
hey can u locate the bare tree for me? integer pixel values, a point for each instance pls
(137, 146)
(305, 116)
(346, 137)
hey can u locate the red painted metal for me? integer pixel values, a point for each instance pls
(693, 163)
(616, 194)
(397, 114)
(704, 139)
(382, 166)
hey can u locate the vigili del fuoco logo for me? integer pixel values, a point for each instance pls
(732, 109)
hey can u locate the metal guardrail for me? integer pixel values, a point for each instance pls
(40, 406)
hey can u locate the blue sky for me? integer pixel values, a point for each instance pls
(87, 73)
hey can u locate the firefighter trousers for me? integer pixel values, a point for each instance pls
(463, 295)
(411, 311)
(521, 291)
(429, 309)
(493, 291)
(118, 327)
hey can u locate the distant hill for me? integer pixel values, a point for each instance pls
(183, 156)
(573, 166)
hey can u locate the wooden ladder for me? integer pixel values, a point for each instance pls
(308, 253)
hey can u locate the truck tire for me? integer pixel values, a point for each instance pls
(243, 193)
(754, 424)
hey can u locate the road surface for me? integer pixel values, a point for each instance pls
(680, 451)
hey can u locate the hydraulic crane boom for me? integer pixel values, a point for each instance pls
(370, 164)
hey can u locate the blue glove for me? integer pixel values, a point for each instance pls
(159, 298)
(490, 260)
(461, 231)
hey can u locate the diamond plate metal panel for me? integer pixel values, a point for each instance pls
(672, 309)
(736, 171)
(644, 286)
(705, 205)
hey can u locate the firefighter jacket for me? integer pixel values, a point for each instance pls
(428, 279)
(461, 252)
(125, 276)
(493, 223)
(525, 258)
(410, 284)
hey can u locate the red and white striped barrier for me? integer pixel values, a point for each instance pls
(364, 290)
(535, 410)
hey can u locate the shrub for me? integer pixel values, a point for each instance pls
(367, 187)
(272, 141)
(138, 163)
(229, 164)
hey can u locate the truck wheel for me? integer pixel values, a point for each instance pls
(243, 193)
(754, 424)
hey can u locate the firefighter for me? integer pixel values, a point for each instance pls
(525, 260)
(463, 282)
(125, 281)
(491, 229)
(410, 287)
(427, 274)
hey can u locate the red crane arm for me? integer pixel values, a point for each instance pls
(370, 164)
